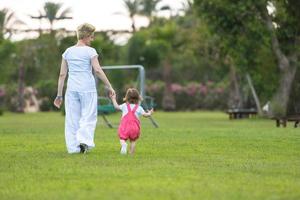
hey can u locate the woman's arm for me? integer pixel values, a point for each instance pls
(61, 80)
(114, 101)
(100, 73)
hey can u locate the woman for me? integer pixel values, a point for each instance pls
(81, 95)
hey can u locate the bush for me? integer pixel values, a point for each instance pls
(193, 95)
(2, 96)
(155, 90)
(46, 92)
(45, 104)
(11, 97)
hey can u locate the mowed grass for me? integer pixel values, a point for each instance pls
(193, 155)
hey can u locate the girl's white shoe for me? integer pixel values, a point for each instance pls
(124, 149)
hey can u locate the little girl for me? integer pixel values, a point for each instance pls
(130, 125)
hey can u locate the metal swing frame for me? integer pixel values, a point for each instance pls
(142, 78)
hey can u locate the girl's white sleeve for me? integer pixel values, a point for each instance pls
(140, 110)
(121, 107)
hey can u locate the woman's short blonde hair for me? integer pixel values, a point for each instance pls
(85, 30)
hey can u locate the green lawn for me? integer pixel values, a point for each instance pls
(193, 155)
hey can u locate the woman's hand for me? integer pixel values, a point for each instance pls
(58, 101)
(111, 92)
(113, 96)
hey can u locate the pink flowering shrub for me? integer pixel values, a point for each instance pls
(155, 87)
(192, 95)
(155, 90)
(176, 88)
(2, 92)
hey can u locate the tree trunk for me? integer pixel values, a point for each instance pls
(40, 27)
(235, 96)
(280, 101)
(287, 67)
(133, 24)
(168, 101)
(52, 31)
(21, 84)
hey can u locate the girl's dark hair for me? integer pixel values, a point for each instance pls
(132, 96)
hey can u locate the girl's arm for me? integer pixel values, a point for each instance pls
(61, 80)
(100, 73)
(148, 113)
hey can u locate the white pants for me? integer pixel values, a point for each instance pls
(81, 119)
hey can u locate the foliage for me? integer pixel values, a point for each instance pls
(249, 27)
(66, 42)
(7, 21)
(47, 90)
(2, 96)
(11, 97)
(7, 55)
(109, 53)
(149, 7)
(192, 95)
(53, 12)
(133, 9)
(242, 34)
(194, 46)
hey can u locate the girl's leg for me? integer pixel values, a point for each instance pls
(123, 146)
(132, 147)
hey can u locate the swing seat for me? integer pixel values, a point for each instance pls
(105, 106)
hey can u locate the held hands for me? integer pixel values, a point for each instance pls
(58, 101)
(112, 96)
(111, 92)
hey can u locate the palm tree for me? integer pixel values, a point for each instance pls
(142, 7)
(133, 8)
(150, 7)
(7, 21)
(53, 12)
(187, 7)
(39, 17)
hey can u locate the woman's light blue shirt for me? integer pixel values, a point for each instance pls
(80, 76)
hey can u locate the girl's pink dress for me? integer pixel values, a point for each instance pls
(130, 125)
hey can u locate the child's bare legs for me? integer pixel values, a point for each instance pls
(123, 147)
(132, 147)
